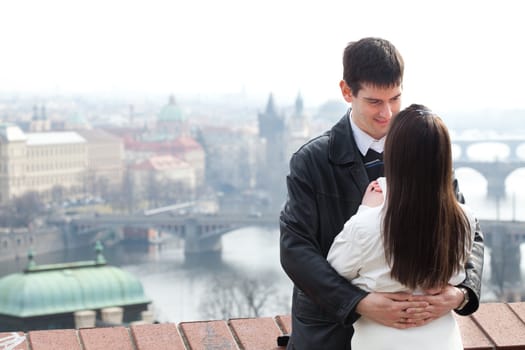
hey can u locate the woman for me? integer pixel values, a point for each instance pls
(416, 240)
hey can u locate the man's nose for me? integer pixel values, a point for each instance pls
(386, 111)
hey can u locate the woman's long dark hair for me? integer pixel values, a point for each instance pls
(425, 231)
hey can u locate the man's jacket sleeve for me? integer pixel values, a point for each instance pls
(301, 254)
(473, 267)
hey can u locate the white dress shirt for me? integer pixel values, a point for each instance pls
(365, 141)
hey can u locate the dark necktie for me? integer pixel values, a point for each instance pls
(373, 164)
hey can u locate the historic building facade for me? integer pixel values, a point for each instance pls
(40, 161)
(105, 160)
(44, 161)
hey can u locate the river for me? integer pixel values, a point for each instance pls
(181, 290)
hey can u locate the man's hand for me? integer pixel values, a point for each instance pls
(441, 301)
(390, 309)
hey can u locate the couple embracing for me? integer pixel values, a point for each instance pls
(374, 234)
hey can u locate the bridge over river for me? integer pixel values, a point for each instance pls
(205, 226)
(201, 233)
(504, 239)
(494, 167)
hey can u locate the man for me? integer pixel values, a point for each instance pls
(327, 180)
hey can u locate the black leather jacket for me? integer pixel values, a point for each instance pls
(326, 183)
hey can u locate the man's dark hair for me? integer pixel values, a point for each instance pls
(374, 61)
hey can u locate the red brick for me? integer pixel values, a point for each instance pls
(157, 337)
(256, 333)
(501, 325)
(472, 336)
(519, 309)
(208, 335)
(105, 338)
(54, 339)
(12, 338)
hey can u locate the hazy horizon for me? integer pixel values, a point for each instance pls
(455, 60)
(231, 107)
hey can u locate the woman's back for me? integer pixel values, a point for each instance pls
(357, 254)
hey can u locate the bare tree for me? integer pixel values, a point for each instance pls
(21, 211)
(236, 296)
(57, 193)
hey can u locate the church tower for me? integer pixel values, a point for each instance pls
(298, 128)
(273, 165)
(39, 121)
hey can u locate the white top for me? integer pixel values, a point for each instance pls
(357, 254)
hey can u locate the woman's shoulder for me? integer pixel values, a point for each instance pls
(365, 222)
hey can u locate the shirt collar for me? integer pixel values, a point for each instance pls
(365, 141)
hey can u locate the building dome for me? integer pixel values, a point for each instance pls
(77, 121)
(65, 288)
(171, 112)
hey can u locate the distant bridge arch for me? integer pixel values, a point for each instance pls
(495, 173)
(201, 233)
(508, 149)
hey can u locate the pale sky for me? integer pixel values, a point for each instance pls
(459, 54)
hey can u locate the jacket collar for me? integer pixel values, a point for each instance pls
(342, 148)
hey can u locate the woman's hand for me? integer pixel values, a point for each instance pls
(373, 195)
(441, 301)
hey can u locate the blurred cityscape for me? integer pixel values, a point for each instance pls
(72, 152)
(74, 168)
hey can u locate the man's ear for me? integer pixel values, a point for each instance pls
(346, 91)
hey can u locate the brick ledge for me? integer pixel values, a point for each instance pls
(493, 326)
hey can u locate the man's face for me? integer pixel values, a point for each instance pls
(373, 107)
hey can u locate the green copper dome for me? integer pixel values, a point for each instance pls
(64, 288)
(171, 112)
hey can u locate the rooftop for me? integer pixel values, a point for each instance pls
(53, 138)
(11, 132)
(98, 136)
(161, 163)
(493, 326)
(54, 290)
